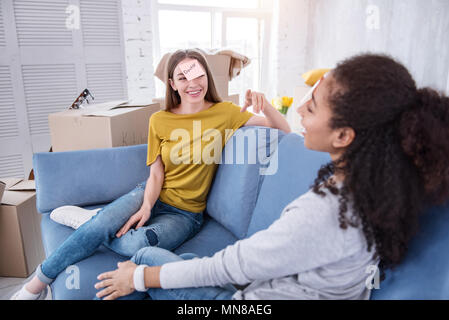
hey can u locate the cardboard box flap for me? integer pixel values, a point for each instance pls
(14, 191)
(108, 113)
(18, 184)
(24, 185)
(110, 105)
(137, 103)
(115, 109)
(14, 198)
(9, 182)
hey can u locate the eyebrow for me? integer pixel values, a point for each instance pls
(180, 74)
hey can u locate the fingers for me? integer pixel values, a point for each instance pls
(105, 292)
(248, 94)
(248, 101)
(127, 226)
(113, 296)
(254, 100)
(257, 101)
(103, 284)
(108, 284)
(123, 230)
(143, 219)
(106, 275)
(141, 223)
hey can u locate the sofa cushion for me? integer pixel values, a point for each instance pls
(87, 177)
(233, 194)
(297, 169)
(424, 272)
(212, 238)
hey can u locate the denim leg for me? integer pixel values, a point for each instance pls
(153, 256)
(165, 229)
(86, 239)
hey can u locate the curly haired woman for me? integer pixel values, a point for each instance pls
(389, 145)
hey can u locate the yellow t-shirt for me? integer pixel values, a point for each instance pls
(190, 146)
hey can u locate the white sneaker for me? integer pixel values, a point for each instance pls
(72, 216)
(21, 295)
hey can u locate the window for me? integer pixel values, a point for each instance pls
(239, 25)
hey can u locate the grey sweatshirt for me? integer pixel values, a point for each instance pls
(303, 255)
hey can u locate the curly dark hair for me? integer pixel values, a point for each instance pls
(398, 163)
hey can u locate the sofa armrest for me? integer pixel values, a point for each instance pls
(87, 177)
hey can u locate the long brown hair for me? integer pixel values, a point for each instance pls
(397, 165)
(172, 98)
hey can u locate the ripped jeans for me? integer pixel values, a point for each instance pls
(168, 227)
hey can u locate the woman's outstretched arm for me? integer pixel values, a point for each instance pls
(273, 118)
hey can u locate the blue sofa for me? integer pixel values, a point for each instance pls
(247, 195)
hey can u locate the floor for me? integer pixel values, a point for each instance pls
(8, 286)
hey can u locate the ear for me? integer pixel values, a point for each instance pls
(344, 137)
(172, 84)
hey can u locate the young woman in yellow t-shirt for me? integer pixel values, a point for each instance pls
(184, 142)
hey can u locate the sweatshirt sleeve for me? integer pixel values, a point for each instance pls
(306, 236)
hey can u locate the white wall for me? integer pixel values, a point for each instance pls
(311, 34)
(291, 44)
(319, 33)
(138, 36)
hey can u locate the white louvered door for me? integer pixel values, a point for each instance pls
(49, 52)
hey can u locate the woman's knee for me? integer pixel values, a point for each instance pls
(154, 256)
(102, 226)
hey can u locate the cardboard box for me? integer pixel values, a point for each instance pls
(2, 189)
(219, 64)
(21, 248)
(106, 125)
(234, 98)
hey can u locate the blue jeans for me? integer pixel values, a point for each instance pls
(168, 227)
(153, 256)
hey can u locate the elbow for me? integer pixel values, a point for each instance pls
(287, 130)
(284, 128)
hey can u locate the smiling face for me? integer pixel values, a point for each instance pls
(192, 91)
(316, 114)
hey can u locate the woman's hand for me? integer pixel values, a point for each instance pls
(273, 118)
(117, 283)
(255, 99)
(140, 217)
